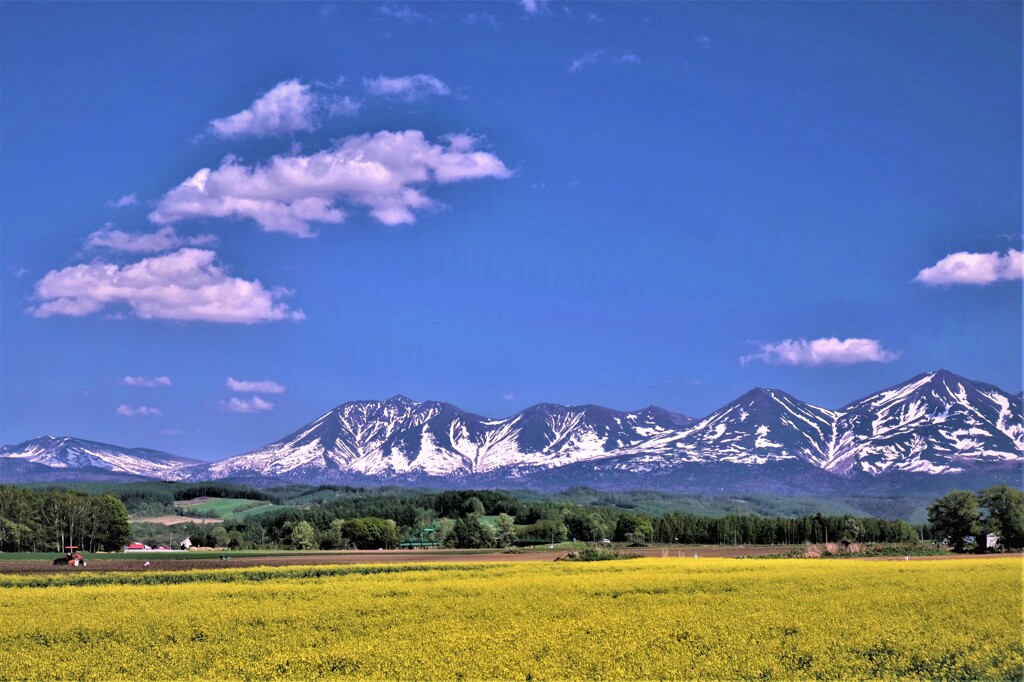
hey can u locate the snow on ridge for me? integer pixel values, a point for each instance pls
(931, 424)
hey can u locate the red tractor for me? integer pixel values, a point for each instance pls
(70, 558)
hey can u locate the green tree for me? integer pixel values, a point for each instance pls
(113, 527)
(334, 537)
(506, 533)
(955, 516)
(473, 506)
(634, 529)
(851, 530)
(1005, 507)
(370, 533)
(583, 526)
(469, 533)
(444, 527)
(304, 536)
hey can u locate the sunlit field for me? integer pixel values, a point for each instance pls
(644, 618)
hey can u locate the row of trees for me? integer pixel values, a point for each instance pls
(313, 528)
(33, 521)
(962, 517)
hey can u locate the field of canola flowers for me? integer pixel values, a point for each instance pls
(612, 620)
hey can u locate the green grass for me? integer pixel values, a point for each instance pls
(226, 508)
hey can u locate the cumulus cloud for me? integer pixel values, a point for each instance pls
(254, 404)
(289, 106)
(628, 58)
(146, 382)
(126, 200)
(401, 12)
(381, 171)
(140, 411)
(577, 65)
(183, 285)
(407, 88)
(242, 386)
(164, 239)
(831, 351)
(530, 6)
(974, 268)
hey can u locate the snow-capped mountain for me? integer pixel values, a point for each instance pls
(64, 453)
(400, 437)
(763, 425)
(935, 424)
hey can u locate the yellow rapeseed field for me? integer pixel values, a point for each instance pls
(612, 620)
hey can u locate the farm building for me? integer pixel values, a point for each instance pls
(421, 539)
(136, 546)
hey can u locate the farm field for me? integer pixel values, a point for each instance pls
(643, 618)
(225, 507)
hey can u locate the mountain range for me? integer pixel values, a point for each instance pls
(935, 429)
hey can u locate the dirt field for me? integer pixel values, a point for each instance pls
(211, 559)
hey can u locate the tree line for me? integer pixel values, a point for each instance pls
(475, 519)
(36, 521)
(963, 518)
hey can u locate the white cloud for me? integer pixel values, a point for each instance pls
(628, 58)
(140, 411)
(974, 268)
(509, 396)
(704, 42)
(255, 404)
(183, 285)
(146, 382)
(590, 58)
(831, 351)
(164, 239)
(407, 88)
(401, 12)
(341, 106)
(241, 386)
(379, 171)
(480, 19)
(126, 200)
(530, 6)
(289, 106)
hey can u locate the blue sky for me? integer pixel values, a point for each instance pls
(495, 205)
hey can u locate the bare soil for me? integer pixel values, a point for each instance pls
(211, 560)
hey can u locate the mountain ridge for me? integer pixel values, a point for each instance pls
(934, 424)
